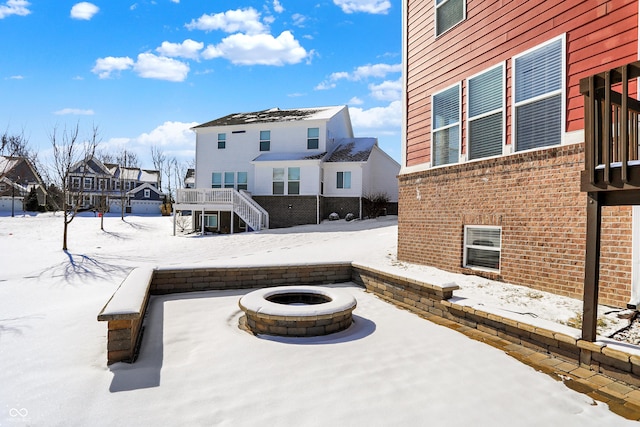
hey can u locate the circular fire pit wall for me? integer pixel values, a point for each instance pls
(298, 311)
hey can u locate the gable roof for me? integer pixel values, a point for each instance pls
(353, 150)
(144, 186)
(274, 115)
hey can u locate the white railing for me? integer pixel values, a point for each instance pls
(205, 195)
(250, 211)
(241, 203)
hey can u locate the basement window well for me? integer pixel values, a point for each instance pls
(482, 247)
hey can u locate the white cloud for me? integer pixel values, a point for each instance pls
(177, 135)
(277, 7)
(105, 66)
(377, 117)
(187, 49)
(84, 10)
(14, 7)
(17, 77)
(262, 49)
(74, 111)
(298, 19)
(150, 66)
(231, 21)
(360, 73)
(387, 90)
(355, 101)
(378, 7)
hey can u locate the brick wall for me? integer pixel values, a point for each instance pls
(341, 205)
(287, 211)
(535, 197)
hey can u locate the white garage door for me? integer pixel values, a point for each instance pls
(145, 207)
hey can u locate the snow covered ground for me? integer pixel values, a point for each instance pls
(197, 368)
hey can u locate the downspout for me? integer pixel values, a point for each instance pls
(317, 209)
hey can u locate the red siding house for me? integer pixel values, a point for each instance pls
(495, 141)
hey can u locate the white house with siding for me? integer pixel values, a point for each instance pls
(278, 168)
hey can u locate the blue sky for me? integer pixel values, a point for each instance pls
(145, 71)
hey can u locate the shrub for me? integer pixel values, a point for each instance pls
(376, 204)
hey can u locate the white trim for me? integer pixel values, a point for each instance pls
(459, 124)
(503, 109)
(484, 248)
(435, 17)
(562, 92)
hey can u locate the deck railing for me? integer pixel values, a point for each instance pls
(241, 204)
(612, 124)
(205, 195)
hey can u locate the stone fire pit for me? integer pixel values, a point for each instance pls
(298, 311)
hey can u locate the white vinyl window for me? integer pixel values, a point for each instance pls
(482, 247)
(229, 179)
(88, 183)
(313, 138)
(242, 181)
(222, 141)
(343, 180)
(147, 193)
(216, 180)
(449, 13)
(485, 114)
(278, 180)
(538, 93)
(293, 178)
(445, 126)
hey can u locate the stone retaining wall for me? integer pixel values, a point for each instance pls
(419, 297)
(174, 280)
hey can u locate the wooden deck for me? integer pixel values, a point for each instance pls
(611, 176)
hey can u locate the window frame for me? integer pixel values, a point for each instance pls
(437, 6)
(229, 180)
(265, 143)
(89, 181)
(435, 130)
(214, 184)
(275, 181)
(222, 141)
(562, 92)
(503, 110)
(340, 180)
(293, 181)
(466, 247)
(147, 193)
(313, 140)
(242, 184)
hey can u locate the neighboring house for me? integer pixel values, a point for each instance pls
(111, 184)
(494, 142)
(279, 168)
(190, 178)
(17, 177)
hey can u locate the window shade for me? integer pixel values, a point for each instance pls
(448, 14)
(486, 105)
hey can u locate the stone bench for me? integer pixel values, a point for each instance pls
(124, 313)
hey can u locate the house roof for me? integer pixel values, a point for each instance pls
(276, 157)
(146, 185)
(8, 163)
(274, 115)
(353, 150)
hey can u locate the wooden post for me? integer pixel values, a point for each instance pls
(592, 267)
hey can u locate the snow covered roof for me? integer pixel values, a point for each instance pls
(353, 150)
(147, 175)
(8, 163)
(276, 157)
(274, 115)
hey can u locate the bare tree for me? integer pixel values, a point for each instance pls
(169, 167)
(158, 158)
(126, 160)
(68, 150)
